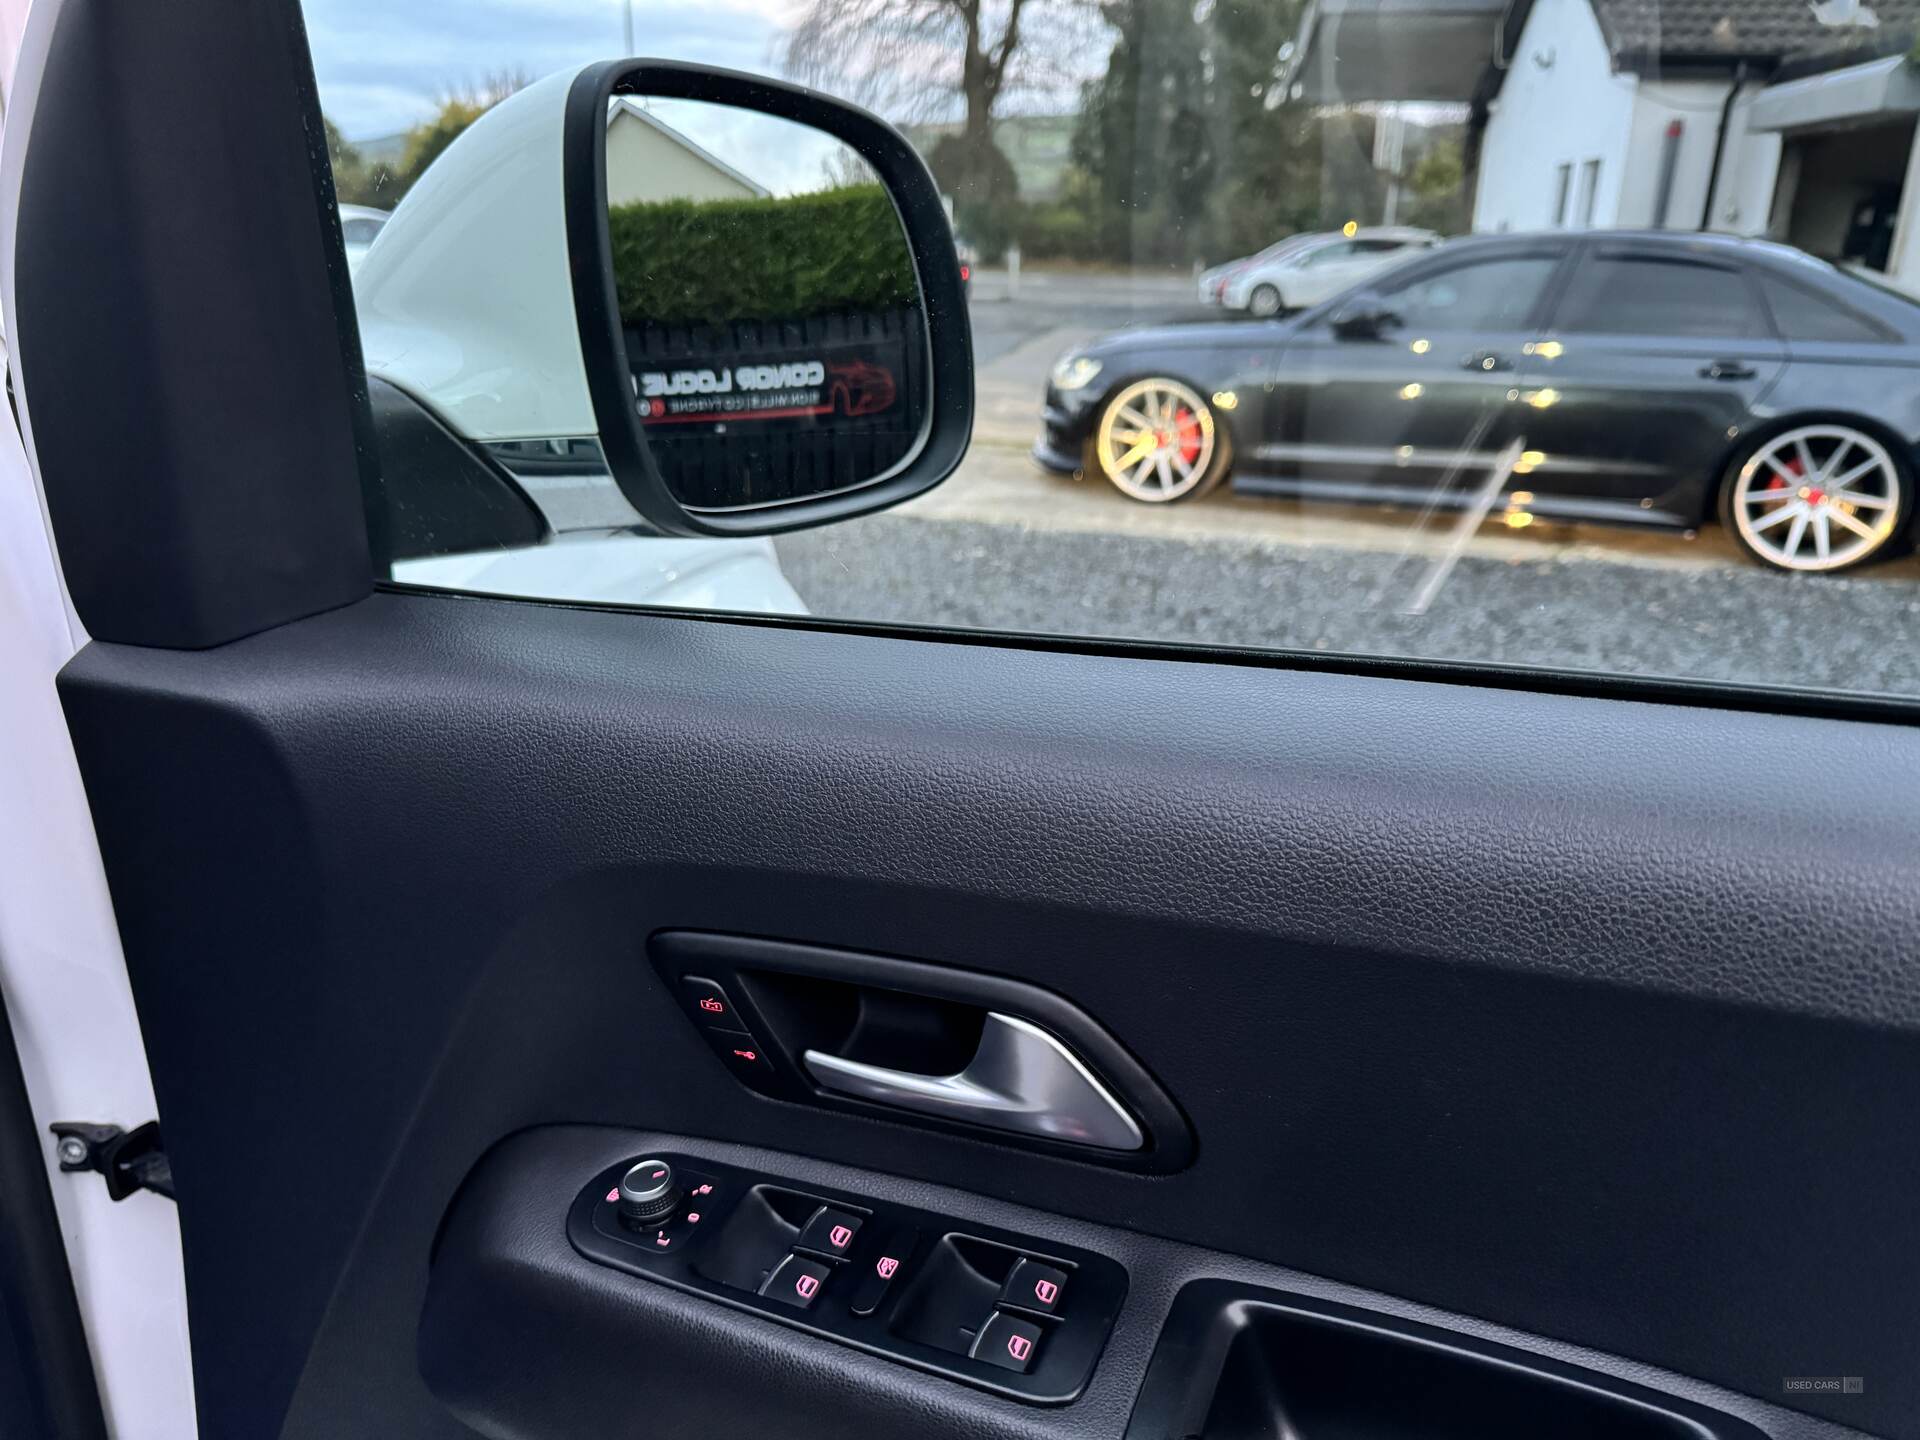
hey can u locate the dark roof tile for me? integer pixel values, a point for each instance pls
(1748, 29)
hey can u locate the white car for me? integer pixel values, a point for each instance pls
(1305, 270)
(358, 225)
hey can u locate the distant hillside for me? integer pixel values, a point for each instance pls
(382, 149)
(1036, 145)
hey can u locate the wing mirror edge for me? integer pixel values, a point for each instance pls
(947, 425)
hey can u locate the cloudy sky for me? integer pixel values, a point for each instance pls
(384, 64)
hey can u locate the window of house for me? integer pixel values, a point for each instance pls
(1562, 185)
(1636, 295)
(1589, 191)
(1490, 296)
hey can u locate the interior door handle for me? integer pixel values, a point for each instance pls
(1020, 1079)
(1727, 370)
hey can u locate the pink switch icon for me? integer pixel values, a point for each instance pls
(1045, 1291)
(840, 1235)
(613, 1194)
(887, 1266)
(806, 1285)
(1019, 1346)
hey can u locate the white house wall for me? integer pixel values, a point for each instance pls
(1560, 104)
(1743, 198)
(1696, 104)
(644, 164)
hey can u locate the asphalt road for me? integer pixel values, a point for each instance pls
(1003, 546)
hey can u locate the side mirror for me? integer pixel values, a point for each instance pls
(1365, 316)
(741, 294)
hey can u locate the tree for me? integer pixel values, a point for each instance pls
(915, 59)
(358, 182)
(458, 109)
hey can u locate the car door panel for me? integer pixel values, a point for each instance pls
(1419, 410)
(504, 1282)
(1528, 1005)
(1445, 1018)
(1646, 419)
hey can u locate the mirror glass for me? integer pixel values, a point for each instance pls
(768, 299)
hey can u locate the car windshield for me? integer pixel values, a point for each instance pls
(1562, 333)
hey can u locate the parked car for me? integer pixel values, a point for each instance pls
(1305, 270)
(968, 254)
(1213, 283)
(359, 224)
(1644, 377)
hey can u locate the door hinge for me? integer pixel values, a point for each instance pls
(130, 1159)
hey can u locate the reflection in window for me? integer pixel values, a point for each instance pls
(1633, 295)
(1491, 295)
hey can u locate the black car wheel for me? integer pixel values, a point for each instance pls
(1818, 497)
(1157, 442)
(1265, 301)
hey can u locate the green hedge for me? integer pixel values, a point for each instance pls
(679, 262)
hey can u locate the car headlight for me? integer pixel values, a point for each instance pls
(1073, 372)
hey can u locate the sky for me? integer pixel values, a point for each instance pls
(383, 65)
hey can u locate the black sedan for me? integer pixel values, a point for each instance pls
(1615, 376)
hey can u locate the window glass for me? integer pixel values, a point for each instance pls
(1633, 295)
(360, 232)
(1490, 296)
(1803, 315)
(1331, 254)
(1589, 191)
(1295, 238)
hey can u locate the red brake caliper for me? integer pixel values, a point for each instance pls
(1186, 430)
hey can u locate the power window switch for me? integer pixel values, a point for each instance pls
(1036, 1288)
(1007, 1342)
(830, 1232)
(796, 1281)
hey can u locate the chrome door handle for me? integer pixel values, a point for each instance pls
(1020, 1079)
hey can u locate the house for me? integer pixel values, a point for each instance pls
(647, 159)
(1792, 119)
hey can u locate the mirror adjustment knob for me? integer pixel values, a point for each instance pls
(648, 1192)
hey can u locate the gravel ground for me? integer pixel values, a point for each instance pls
(1742, 625)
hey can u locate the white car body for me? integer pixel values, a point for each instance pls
(1295, 277)
(466, 304)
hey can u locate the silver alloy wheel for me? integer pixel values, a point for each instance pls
(1264, 302)
(1156, 441)
(1820, 497)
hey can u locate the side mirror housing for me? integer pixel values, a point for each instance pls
(1365, 316)
(741, 294)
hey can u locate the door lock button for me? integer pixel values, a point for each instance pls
(878, 1275)
(1036, 1288)
(709, 1005)
(1008, 1342)
(796, 1281)
(830, 1232)
(740, 1053)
